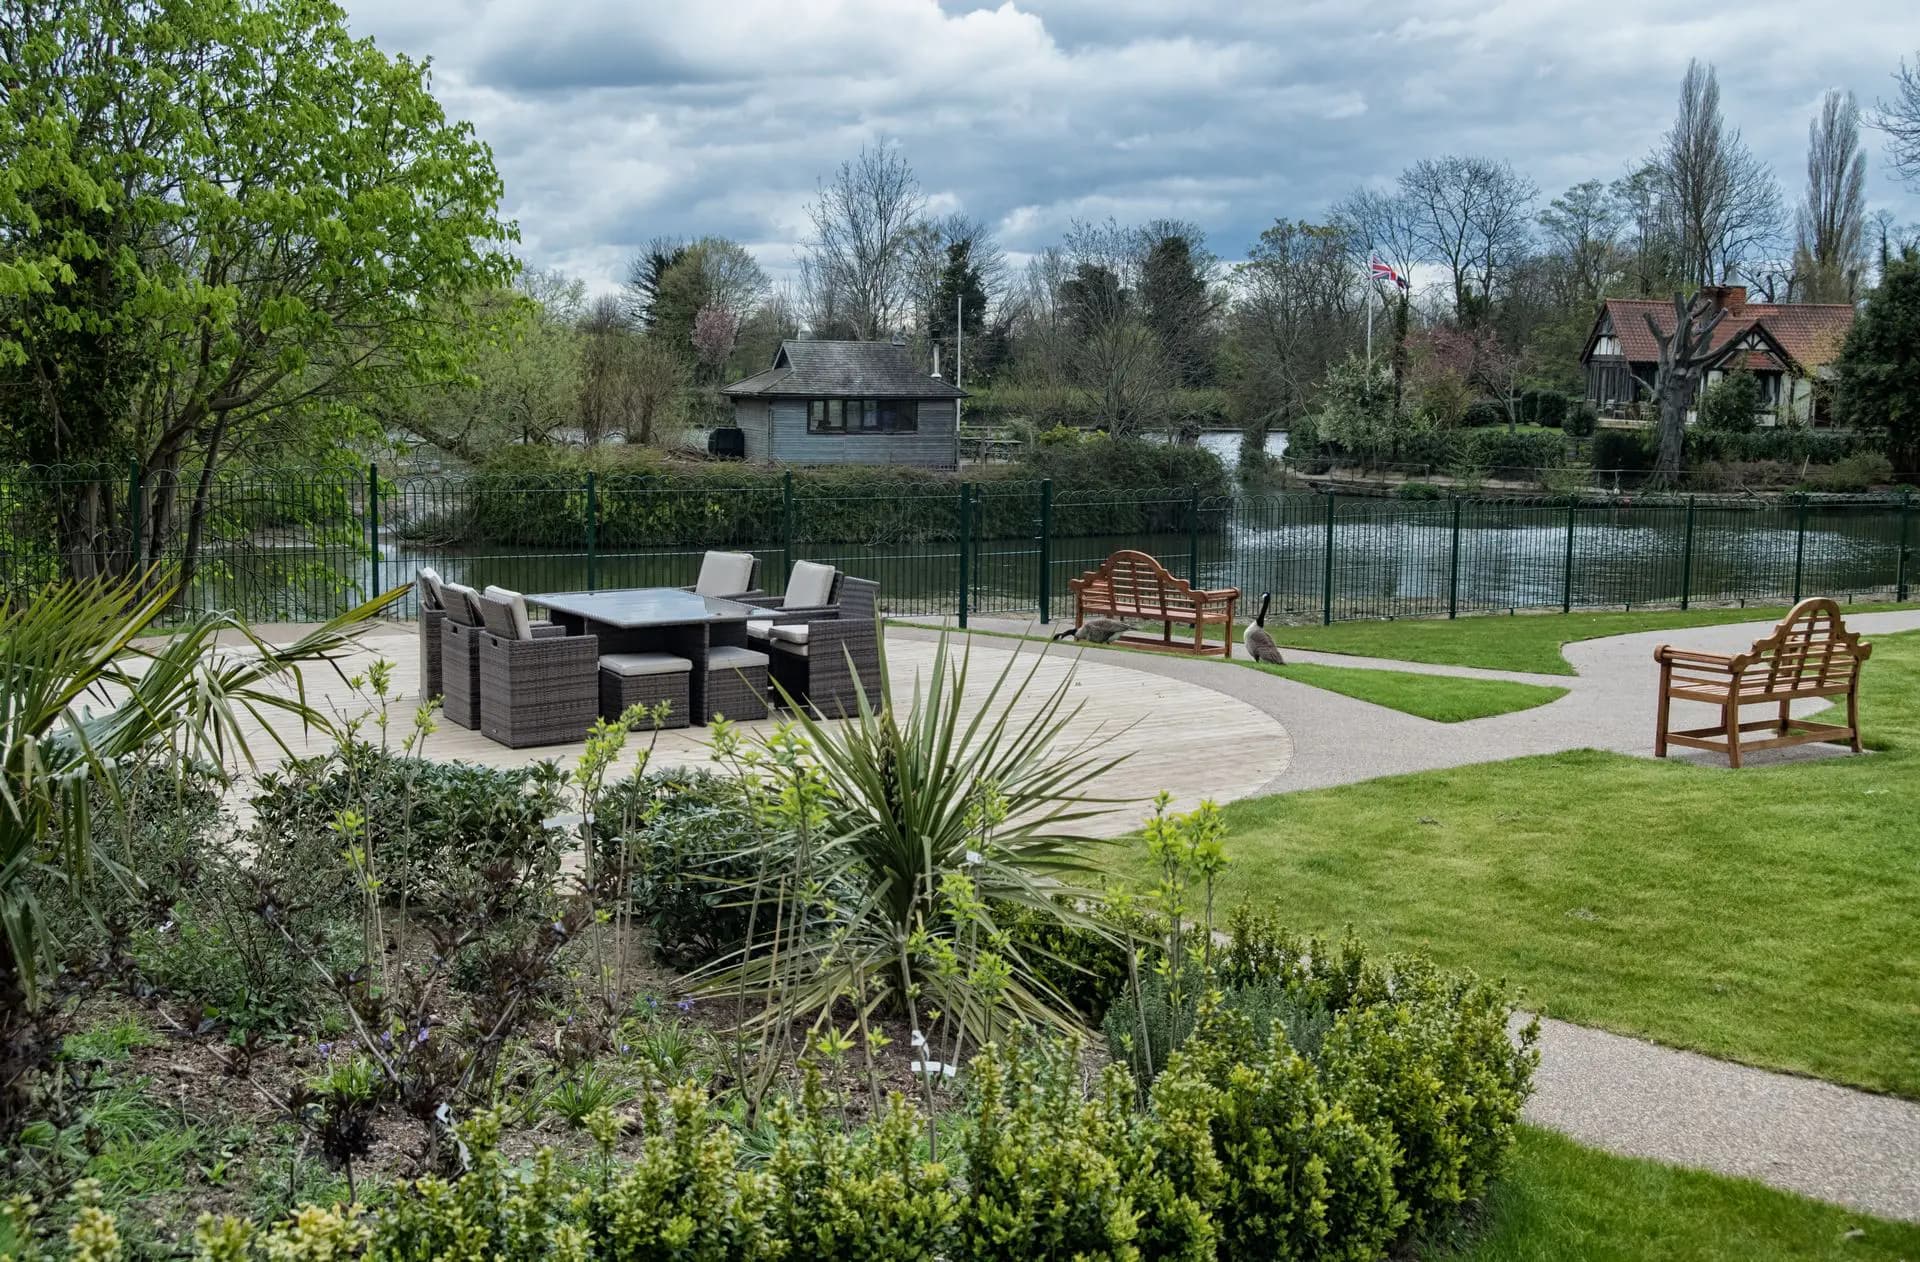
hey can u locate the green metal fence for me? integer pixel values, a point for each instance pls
(298, 545)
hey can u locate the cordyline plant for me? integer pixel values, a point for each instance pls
(913, 826)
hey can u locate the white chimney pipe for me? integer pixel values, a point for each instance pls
(936, 361)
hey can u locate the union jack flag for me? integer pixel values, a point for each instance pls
(1381, 271)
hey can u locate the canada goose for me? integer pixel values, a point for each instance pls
(1260, 645)
(1094, 630)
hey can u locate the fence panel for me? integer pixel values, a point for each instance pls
(300, 545)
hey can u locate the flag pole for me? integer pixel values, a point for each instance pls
(1369, 322)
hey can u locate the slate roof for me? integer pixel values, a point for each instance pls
(1811, 333)
(846, 370)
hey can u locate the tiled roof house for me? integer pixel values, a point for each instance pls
(1788, 346)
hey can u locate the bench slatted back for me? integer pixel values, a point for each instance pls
(1134, 580)
(1810, 649)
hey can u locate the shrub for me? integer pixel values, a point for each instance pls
(1420, 491)
(1498, 451)
(1482, 413)
(1304, 1177)
(691, 858)
(1860, 472)
(1543, 407)
(1731, 405)
(1623, 450)
(431, 825)
(1581, 420)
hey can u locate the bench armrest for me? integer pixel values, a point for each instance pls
(1666, 653)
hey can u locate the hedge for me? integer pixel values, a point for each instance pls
(536, 498)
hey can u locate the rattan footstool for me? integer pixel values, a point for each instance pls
(630, 679)
(736, 684)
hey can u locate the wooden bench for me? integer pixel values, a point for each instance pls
(1132, 585)
(1810, 655)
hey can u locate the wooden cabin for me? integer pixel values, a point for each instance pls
(848, 403)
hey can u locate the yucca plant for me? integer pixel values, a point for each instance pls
(83, 695)
(932, 815)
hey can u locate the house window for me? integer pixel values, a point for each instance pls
(863, 416)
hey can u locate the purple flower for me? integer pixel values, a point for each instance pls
(423, 1035)
(325, 1050)
(685, 1005)
(625, 1048)
(386, 1040)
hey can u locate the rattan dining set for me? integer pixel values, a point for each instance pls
(719, 648)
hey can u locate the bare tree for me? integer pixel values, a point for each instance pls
(1648, 242)
(1683, 355)
(1583, 227)
(1298, 312)
(1830, 229)
(1471, 215)
(857, 270)
(630, 382)
(1900, 119)
(1723, 200)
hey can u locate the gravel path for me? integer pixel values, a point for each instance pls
(1621, 1094)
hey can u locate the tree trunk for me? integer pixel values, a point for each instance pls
(1683, 355)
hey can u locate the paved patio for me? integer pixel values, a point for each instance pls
(1180, 735)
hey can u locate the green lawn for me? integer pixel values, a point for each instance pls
(1764, 916)
(1442, 698)
(1564, 1201)
(1524, 642)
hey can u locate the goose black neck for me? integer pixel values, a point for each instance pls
(1266, 600)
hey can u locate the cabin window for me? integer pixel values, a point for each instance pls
(826, 416)
(863, 416)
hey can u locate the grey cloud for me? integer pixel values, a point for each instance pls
(615, 122)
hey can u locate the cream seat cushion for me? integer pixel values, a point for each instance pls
(810, 585)
(631, 664)
(730, 657)
(724, 574)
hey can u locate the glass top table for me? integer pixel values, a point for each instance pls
(647, 607)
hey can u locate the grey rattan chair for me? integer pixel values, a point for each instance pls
(629, 679)
(460, 655)
(534, 691)
(824, 663)
(433, 612)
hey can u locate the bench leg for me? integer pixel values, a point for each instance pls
(1731, 717)
(1853, 714)
(1199, 628)
(1786, 716)
(1166, 632)
(1226, 636)
(1666, 706)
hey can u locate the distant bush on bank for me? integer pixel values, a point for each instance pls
(536, 497)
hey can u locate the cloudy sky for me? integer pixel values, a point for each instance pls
(617, 120)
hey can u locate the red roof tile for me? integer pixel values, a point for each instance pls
(1810, 332)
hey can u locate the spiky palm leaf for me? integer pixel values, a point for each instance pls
(901, 790)
(81, 696)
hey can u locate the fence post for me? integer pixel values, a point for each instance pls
(593, 528)
(1046, 550)
(1566, 580)
(786, 523)
(1453, 565)
(373, 525)
(1193, 535)
(1326, 578)
(1900, 569)
(136, 514)
(1800, 550)
(1686, 559)
(966, 535)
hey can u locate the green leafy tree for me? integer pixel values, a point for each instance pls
(1356, 410)
(1177, 300)
(1731, 405)
(220, 217)
(1877, 376)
